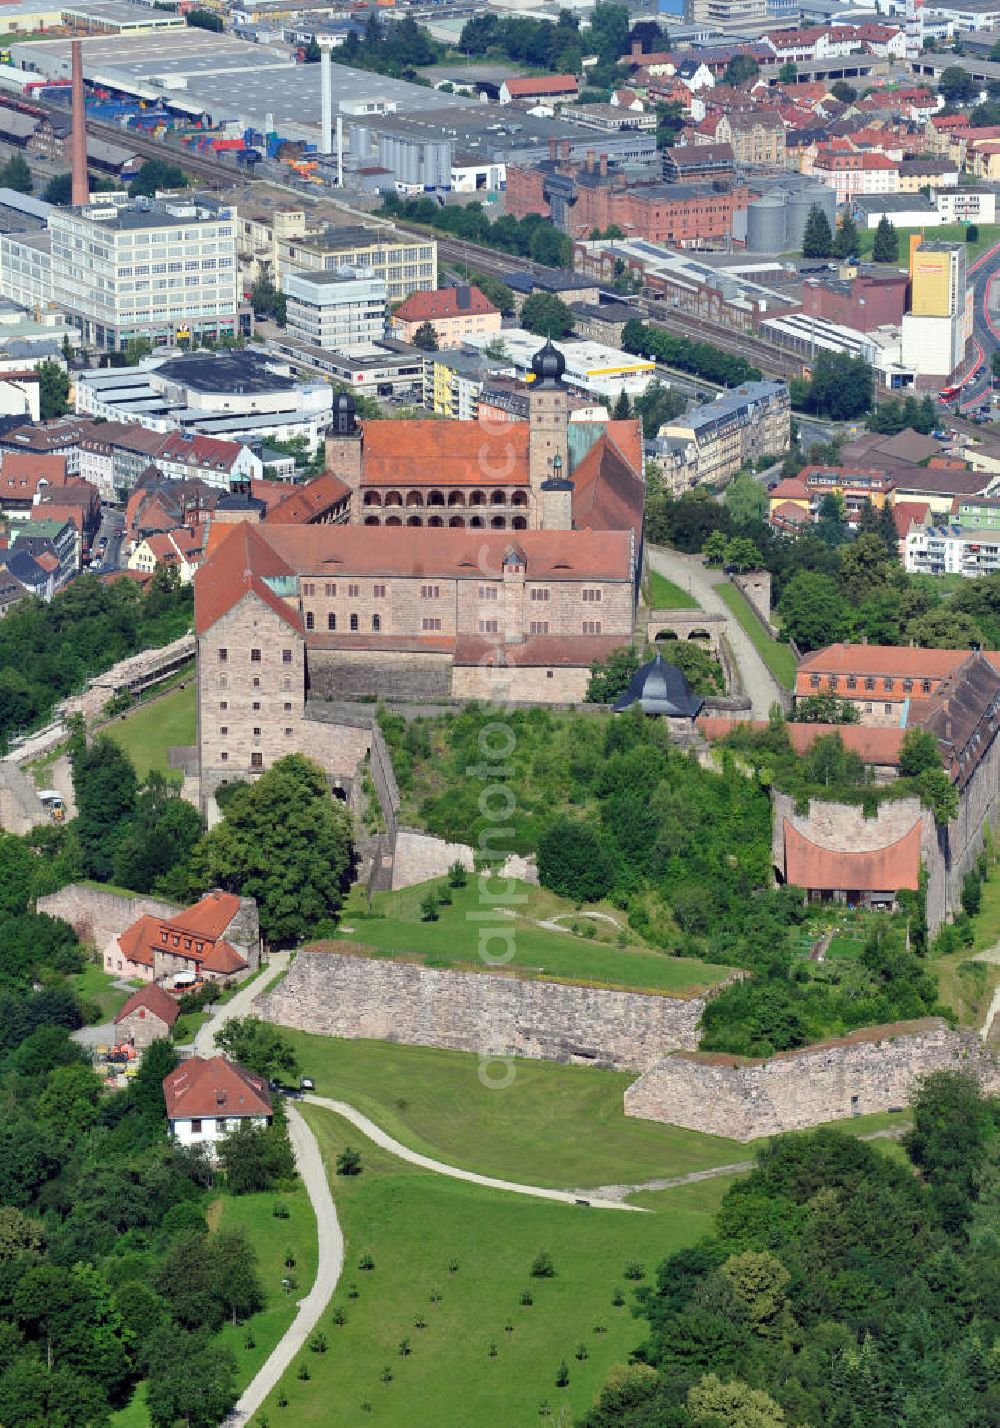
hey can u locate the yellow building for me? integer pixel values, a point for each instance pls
(937, 278)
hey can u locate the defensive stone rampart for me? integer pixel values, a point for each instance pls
(96, 914)
(871, 1070)
(362, 997)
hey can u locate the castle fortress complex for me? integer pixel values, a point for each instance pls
(477, 561)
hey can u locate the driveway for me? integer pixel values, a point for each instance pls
(689, 573)
(240, 1005)
(309, 1164)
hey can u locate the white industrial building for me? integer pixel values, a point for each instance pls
(340, 310)
(952, 550)
(590, 366)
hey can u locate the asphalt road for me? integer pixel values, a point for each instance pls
(977, 387)
(112, 529)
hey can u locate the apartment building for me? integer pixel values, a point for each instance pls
(889, 685)
(952, 550)
(162, 269)
(340, 310)
(710, 443)
(405, 262)
(454, 314)
(757, 136)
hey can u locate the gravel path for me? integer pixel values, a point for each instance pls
(374, 1133)
(309, 1164)
(688, 572)
(204, 1041)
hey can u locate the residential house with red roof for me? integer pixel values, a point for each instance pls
(887, 684)
(454, 313)
(180, 549)
(207, 1099)
(215, 940)
(24, 476)
(147, 1016)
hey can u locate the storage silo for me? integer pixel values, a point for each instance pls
(800, 203)
(766, 225)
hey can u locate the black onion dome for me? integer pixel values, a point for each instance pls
(548, 363)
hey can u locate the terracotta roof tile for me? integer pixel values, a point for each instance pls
(154, 999)
(541, 84)
(444, 453)
(136, 941)
(235, 568)
(874, 744)
(443, 303)
(216, 1087)
(309, 502)
(791, 489)
(888, 869)
(893, 661)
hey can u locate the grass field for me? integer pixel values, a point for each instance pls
(989, 233)
(272, 1240)
(148, 733)
(394, 925)
(665, 595)
(560, 1126)
(456, 1259)
(778, 657)
(93, 984)
(966, 985)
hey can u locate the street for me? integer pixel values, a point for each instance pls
(106, 557)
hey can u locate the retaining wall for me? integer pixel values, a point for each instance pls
(362, 997)
(872, 1070)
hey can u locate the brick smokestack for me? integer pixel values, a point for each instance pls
(80, 191)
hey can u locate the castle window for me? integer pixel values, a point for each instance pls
(223, 703)
(888, 685)
(376, 623)
(430, 624)
(255, 704)
(286, 656)
(907, 685)
(223, 682)
(593, 597)
(330, 589)
(926, 686)
(310, 620)
(354, 623)
(308, 589)
(223, 728)
(256, 733)
(888, 708)
(487, 592)
(851, 682)
(488, 627)
(430, 592)
(331, 621)
(286, 684)
(288, 733)
(378, 592)
(255, 682)
(353, 591)
(869, 684)
(223, 656)
(255, 656)
(591, 627)
(538, 627)
(539, 595)
(224, 757)
(256, 761)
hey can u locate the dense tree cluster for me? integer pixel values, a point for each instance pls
(897, 414)
(841, 387)
(560, 47)
(530, 237)
(157, 174)
(49, 651)
(701, 359)
(839, 1287)
(396, 49)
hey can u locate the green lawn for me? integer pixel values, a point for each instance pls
(187, 1025)
(560, 1126)
(665, 595)
(989, 233)
(153, 728)
(455, 1259)
(93, 984)
(394, 926)
(778, 657)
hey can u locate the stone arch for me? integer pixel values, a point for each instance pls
(435, 521)
(519, 523)
(372, 498)
(519, 498)
(475, 523)
(498, 523)
(414, 521)
(435, 498)
(477, 498)
(374, 521)
(458, 522)
(665, 635)
(393, 498)
(498, 498)
(700, 636)
(393, 521)
(456, 498)
(414, 498)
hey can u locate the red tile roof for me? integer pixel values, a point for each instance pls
(444, 453)
(443, 303)
(788, 513)
(236, 567)
(608, 494)
(153, 999)
(22, 471)
(527, 87)
(203, 923)
(310, 502)
(888, 869)
(791, 489)
(205, 1089)
(893, 661)
(209, 451)
(905, 513)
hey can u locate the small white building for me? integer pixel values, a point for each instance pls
(590, 366)
(952, 550)
(207, 1099)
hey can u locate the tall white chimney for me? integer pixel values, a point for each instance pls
(326, 103)
(340, 152)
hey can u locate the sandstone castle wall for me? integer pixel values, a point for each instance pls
(872, 1070)
(338, 994)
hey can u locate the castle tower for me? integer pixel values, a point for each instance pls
(548, 418)
(345, 448)
(557, 499)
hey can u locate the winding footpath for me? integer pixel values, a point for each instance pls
(240, 1005)
(330, 1262)
(387, 1142)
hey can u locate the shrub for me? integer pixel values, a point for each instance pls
(457, 876)
(526, 1298)
(543, 1267)
(366, 1262)
(349, 1161)
(634, 1269)
(562, 1375)
(429, 908)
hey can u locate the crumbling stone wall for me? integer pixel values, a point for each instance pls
(337, 993)
(871, 1070)
(419, 856)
